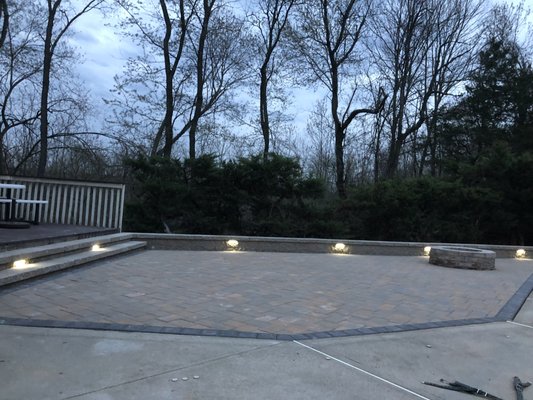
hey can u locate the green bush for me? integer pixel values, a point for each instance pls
(251, 196)
(490, 201)
(423, 209)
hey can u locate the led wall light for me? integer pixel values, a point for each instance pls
(520, 253)
(232, 244)
(19, 264)
(427, 250)
(340, 248)
(96, 247)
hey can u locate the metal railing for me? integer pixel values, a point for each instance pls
(95, 204)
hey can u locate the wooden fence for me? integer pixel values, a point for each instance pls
(95, 204)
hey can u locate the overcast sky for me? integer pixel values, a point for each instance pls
(105, 53)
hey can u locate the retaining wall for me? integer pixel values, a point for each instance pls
(300, 245)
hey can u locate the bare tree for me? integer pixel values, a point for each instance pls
(327, 38)
(68, 107)
(320, 151)
(219, 60)
(19, 83)
(171, 63)
(269, 21)
(421, 50)
(509, 23)
(165, 33)
(450, 60)
(79, 157)
(4, 17)
(204, 19)
(60, 16)
(192, 57)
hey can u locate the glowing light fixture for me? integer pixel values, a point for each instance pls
(233, 244)
(19, 264)
(96, 247)
(340, 248)
(520, 253)
(427, 250)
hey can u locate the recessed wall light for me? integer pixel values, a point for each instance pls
(233, 244)
(520, 253)
(19, 264)
(340, 248)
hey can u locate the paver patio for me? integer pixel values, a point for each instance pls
(265, 292)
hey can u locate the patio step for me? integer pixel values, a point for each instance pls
(34, 269)
(39, 253)
(44, 234)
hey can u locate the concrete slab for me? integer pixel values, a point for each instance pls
(281, 372)
(40, 363)
(525, 315)
(485, 356)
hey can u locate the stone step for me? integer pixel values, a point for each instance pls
(51, 250)
(32, 270)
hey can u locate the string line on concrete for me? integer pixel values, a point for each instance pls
(362, 371)
(519, 324)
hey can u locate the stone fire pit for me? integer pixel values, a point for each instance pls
(462, 257)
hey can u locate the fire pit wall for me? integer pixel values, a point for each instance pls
(462, 257)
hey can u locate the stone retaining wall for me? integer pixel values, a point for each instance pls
(301, 245)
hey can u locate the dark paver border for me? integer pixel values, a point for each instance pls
(506, 313)
(513, 305)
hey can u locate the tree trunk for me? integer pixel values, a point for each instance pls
(377, 148)
(199, 99)
(3, 168)
(47, 67)
(339, 129)
(263, 108)
(277, 15)
(339, 162)
(169, 87)
(4, 15)
(433, 160)
(393, 159)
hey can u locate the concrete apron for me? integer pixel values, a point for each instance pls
(43, 363)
